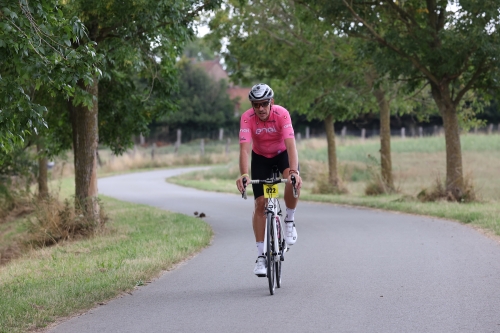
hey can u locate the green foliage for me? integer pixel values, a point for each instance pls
(139, 41)
(199, 49)
(310, 68)
(36, 50)
(204, 104)
(425, 41)
(16, 176)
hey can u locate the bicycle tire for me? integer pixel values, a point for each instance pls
(270, 253)
(281, 248)
(278, 273)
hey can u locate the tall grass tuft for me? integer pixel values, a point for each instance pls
(376, 184)
(439, 192)
(54, 222)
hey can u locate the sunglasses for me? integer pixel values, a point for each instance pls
(263, 104)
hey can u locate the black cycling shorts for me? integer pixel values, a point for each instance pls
(262, 168)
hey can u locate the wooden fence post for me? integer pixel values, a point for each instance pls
(202, 147)
(178, 142)
(228, 142)
(153, 150)
(403, 133)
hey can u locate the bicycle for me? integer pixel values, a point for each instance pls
(274, 237)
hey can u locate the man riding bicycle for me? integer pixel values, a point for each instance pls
(266, 130)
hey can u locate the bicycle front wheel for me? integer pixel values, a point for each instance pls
(270, 253)
(280, 257)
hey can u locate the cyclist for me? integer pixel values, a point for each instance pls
(266, 130)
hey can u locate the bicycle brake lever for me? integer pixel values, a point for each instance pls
(244, 193)
(295, 195)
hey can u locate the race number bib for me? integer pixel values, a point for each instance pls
(270, 191)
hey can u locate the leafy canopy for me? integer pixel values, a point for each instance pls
(35, 48)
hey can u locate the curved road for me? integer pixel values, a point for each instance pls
(352, 270)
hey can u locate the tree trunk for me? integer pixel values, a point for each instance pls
(448, 110)
(43, 188)
(385, 139)
(333, 177)
(85, 138)
(385, 130)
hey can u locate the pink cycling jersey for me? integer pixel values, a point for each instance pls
(267, 137)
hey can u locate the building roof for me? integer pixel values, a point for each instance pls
(238, 92)
(214, 69)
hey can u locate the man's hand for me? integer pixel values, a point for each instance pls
(298, 180)
(239, 182)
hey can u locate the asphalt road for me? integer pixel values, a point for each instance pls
(351, 270)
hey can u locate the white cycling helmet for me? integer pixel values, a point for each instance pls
(259, 92)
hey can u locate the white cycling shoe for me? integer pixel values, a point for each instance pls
(260, 267)
(290, 233)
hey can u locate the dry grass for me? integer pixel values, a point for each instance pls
(141, 160)
(413, 171)
(53, 222)
(438, 192)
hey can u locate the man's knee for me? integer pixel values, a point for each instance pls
(260, 203)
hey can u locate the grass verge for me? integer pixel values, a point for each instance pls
(484, 215)
(58, 281)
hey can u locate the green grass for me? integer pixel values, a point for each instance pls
(57, 281)
(417, 164)
(484, 215)
(356, 151)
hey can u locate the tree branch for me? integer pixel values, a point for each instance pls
(404, 15)
(418, 92)
(480, 70)
(382, 41)
(273, 35)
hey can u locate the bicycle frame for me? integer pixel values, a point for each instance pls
(276, 247)
(277, 226)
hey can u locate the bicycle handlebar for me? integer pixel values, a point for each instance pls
(267, 181)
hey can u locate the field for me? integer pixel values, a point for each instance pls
(418, 164)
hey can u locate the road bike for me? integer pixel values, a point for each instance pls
(275, 245)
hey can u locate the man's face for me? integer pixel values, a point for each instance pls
(262, 108)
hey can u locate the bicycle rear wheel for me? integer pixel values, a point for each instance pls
(270, 253)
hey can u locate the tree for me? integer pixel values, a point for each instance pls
(142, 37)
(310, 68)
(204, 104)
(199, 49)
(35, 42)
(453, 51)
